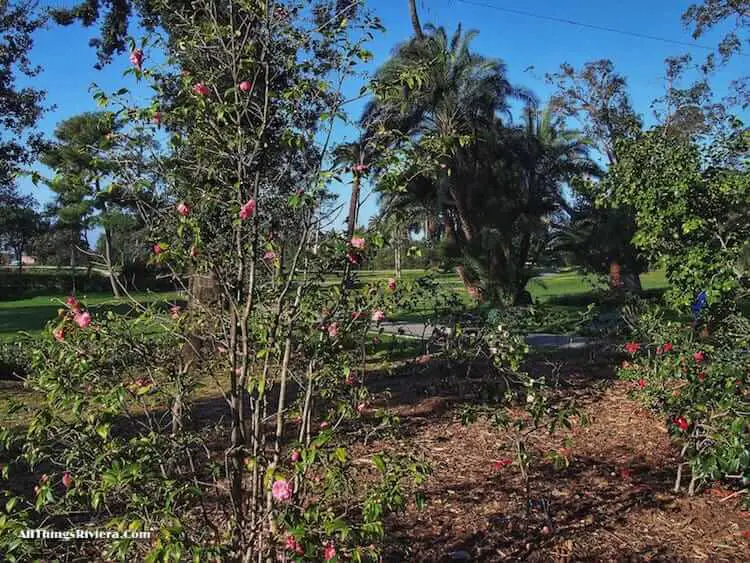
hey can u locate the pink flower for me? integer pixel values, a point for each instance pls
(392, 284)
(682, 423)
(193, 251)
(247, 209)
(325, 424)
(378, 316)
(246, 86)
(83, 319)
(174, 311)
(136, 58)
(295, 457)
(699, 357)
(281, 490)
(641, 383)
(293, 545)
(359, 168)
(702, 376)
(157, 248)
(333, 330)
(329, 552)
(351, 258)
(667, 347)
(183, 209)
(498, 464)
(632, 347)
(67, 480)
(73, 303)
(358, 242)
(269, 255)
(200, 89)
(351, 379)
(362, 408)
(157, 118)
(59, 334)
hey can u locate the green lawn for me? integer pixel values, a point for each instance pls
(31, 315)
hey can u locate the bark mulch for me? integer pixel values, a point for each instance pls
(613, 502)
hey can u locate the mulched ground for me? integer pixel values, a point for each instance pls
(614, 501)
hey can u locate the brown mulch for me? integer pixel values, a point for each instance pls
(613, 502)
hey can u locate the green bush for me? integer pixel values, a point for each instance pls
(701, 384)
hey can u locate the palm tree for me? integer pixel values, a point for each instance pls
(436, 92)
(356, 157)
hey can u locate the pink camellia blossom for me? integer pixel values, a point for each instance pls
(247, 210)
(378, 316)
(682, 423)
(157, 248)
(200, 89)
(281, 490)
(392, 284)
(699, 357)
(358, 242)
(67, 480)
(72, 302)
(59, 334)
(174, 311)
(183, 209)
(83, 319)
(136, 58)
(333, 330)
(293, 545)
(269, 255)
(325, 424)
(641, 383)
(246, 86)
(632, 347)
(295, 457)
(498, 464)
(329, 551)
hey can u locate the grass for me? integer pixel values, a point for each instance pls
(31, 315)
(566, 289)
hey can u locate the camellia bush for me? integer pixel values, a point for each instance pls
(247, 98)
(702, 385)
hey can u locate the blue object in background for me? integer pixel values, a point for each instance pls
(700, 303)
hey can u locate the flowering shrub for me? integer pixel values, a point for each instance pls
(235, 220)
(702, 387)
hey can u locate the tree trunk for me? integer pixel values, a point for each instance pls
(415, 19)
(353, 206)
(108, 257)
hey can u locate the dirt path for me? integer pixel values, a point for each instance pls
(612, 503)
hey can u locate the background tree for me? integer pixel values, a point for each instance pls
(597, 97)
(20, 223)
(704, 16)
(87, 193)
(21, 107)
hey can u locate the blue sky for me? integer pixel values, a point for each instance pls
(520, 41)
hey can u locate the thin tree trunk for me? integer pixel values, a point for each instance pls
(108, 258)
(353, 206)
(415, 19)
